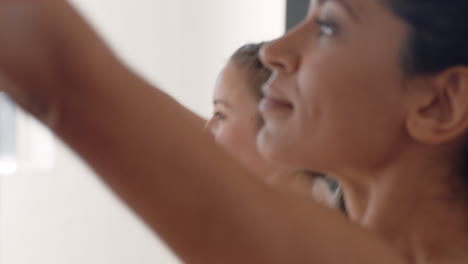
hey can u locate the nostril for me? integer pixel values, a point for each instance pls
(278, 65)
(277, 58)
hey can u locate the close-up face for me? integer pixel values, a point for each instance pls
(235, 122)
(337, 93)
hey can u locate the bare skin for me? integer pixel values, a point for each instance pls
(235, 124)
(63, 79)
(66, 77)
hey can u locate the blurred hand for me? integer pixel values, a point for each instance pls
(36, 47)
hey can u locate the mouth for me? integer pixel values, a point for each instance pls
(270, 104)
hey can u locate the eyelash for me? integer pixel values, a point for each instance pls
(326, 28)
(219, 116)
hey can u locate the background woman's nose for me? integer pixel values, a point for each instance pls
(210, 126)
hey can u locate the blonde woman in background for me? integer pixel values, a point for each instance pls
(235, 124)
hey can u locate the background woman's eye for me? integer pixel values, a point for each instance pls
(219, 116)
(325, 28)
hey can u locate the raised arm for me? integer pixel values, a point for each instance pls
(153, 153)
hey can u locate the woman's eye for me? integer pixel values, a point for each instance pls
(219, 116)
(325, 28)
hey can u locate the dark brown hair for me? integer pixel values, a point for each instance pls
(438, 37)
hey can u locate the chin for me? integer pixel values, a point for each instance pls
(279, 147)
(273, 147)
(266, 144)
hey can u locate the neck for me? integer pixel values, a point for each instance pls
(419, 207)
(299, 182)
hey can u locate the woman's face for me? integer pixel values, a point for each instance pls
(235, 122)
(336, 96)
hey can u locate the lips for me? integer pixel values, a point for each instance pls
(270, 103)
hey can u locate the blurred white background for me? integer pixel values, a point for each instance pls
(64, 214)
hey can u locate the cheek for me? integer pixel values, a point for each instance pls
(361, 110)
(237, 137)
(224, 136)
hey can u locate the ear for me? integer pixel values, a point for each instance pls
(438, 106)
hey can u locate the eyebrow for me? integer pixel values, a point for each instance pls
(345, 4)
(222, 102)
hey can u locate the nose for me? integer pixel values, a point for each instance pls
(282, 54)
(210, 126)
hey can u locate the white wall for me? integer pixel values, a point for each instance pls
(65, 215)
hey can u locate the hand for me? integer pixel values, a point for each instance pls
(37, 46)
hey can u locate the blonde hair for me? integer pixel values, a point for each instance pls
(248, 60)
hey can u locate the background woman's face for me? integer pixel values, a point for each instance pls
(235, 122)
(336, 95)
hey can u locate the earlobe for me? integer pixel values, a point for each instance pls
(438, 113)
